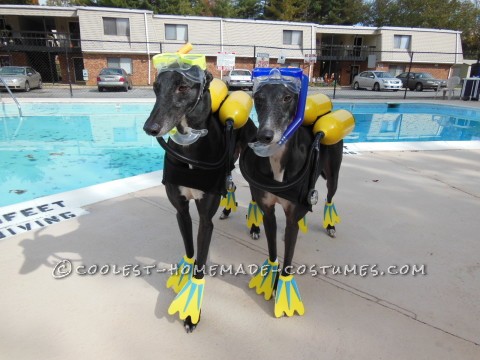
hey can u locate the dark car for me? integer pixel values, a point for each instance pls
(114, 78)
(420, 80)
(20, 77)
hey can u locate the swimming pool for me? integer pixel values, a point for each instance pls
(59, 147)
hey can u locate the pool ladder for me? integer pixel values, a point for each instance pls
(13, 97)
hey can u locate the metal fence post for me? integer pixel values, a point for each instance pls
(408, 75)
(335, 77)
(68, 72)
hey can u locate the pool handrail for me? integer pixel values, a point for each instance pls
(13, 97)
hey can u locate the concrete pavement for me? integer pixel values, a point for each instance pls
(397, 208)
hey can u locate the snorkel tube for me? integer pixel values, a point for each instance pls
(298, 119)
(265, 150)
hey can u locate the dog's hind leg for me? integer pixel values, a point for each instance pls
(287, 296)
(332, 170)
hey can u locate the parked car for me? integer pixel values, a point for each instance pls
(20, 77)
(114, 78)
(420, 80)
(376, 80)
(239, 78)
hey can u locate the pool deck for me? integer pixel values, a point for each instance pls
(397, 208)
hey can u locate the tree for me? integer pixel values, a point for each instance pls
(249, 9)
(285, 10)
(20, 2)
(336, 12)
(460, 15)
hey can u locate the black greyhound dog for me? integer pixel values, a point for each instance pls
(269, 177)
(186, 104)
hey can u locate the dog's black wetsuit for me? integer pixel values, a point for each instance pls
(207, 180)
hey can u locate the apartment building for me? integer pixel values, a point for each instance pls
(74, 43)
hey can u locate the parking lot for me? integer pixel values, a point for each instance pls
(143, 92)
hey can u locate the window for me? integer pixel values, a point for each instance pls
(176, 32)
(124, 63)
(402, 41)
(116, 26)
(292, 37)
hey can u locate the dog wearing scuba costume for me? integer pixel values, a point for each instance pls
(282, 168)
(195, 167)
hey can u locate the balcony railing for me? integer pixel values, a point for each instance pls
(344, 52)
(37, 40)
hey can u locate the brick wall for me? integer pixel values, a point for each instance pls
(20, 59)
(94, 63)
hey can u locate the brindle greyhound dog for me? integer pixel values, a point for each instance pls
(186, 104)
(276, 106)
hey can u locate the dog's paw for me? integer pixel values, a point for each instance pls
(224, 214)
(183, 273)
(331, 231)
(189, 326)
(255, 232)
(188, 302)
(287, 297)
(264, 279)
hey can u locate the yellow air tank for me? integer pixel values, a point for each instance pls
(236, 107)
(316, 105)
(218, 92)
(335, 126)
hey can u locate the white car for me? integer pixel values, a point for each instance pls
(239, 78)
(376, 80)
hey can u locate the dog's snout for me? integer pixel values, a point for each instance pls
(151, 129)
(265, 136)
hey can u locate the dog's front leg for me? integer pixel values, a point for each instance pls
(287, 296)
(265, 278)
(184, 269)
(207, 207)
(189, 300)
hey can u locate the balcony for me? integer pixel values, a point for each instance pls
(26, 41)
(344, 52)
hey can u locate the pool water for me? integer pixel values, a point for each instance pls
(59, 147)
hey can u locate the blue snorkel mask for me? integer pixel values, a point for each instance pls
(295, 81)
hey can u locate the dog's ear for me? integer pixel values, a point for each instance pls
(208, 79)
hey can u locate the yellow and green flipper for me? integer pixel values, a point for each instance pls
(287, 297)
(264, 279)
(330, 215)
(182, 274)
(188, 302)
(254, 215)
(229, 202)
(302, 224)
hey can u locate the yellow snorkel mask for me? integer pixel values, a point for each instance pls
(192, 67)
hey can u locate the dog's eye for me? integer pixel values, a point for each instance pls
(287, 98)
(183, 89)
